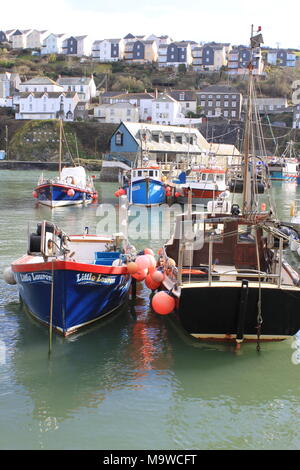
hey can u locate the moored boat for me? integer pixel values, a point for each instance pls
(71, 186)
(145, 186)
(205, 184)
(70, 281)
(230, 281)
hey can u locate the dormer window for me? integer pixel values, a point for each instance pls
(119, 138)
(181, 96)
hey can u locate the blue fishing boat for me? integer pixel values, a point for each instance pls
(72, 186)
(145, 186)
(68, 282)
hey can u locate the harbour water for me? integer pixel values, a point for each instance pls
(133, 381)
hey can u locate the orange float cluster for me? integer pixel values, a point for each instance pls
(144, 268)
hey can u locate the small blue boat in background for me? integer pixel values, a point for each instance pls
(145, 186)
(72, 186)
(68, 282)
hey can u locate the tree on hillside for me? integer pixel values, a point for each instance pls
(130, 84)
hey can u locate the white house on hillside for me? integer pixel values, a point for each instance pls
(116, 113)
(47, 105)
(108, 50)
(38, 84)
(19, 38)
(84, 86)
(166, 110)
(35, 38)
(53, 44)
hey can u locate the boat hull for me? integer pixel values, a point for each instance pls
(199, 196)
(146, 192)
(220, 314)
(81, 294)
(56, 195)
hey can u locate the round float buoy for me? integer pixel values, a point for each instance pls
(177, 194)
(9, 276)
(150, 283)
(132, 267)
(163, 303)
(70, 192)
(34, 194)
(140, 275)
(148, 251)
(143, 261)
(157, 276)
(263, 206)
(152, 263)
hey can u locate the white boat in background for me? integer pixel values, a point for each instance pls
(206, 184)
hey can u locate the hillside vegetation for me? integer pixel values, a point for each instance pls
(135, 77)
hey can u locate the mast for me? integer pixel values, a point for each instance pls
(249, 163)
(60, 145)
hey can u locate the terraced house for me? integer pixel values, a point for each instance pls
(220, 101)
(175, 54)
(141, 51)
(108, 50)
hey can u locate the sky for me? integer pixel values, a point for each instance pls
(197, 20)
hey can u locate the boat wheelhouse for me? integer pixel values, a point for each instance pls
(145, 186)
(205, 184)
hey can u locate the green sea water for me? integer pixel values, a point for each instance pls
(133, 381)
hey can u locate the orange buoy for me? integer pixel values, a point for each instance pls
(148, 251)
(150, 283)
(157, 276)
(263, 206)
(143, 261)
(163, 303)
(70, 192)
(140, 275)
(177, 194)
(35, 194)
(152, 263)
(132, 267)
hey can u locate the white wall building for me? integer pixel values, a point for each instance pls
(53, 44)
(40, 84)
(108, 50)
(84, 86)
(47, 105)
(116, 113)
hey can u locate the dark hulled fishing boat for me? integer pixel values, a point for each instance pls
(231, 281)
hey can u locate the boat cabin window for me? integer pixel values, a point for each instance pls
(246, 234)
(134, 174)
(139, 173)
(216, 231)
(151, 173)
(210, 177)
(220, 177)
(203, 177)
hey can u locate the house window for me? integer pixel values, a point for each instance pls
(233, 104)
(210, 103)
(218, 103)
(233, 113)
(119, 138)
(226, 104)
